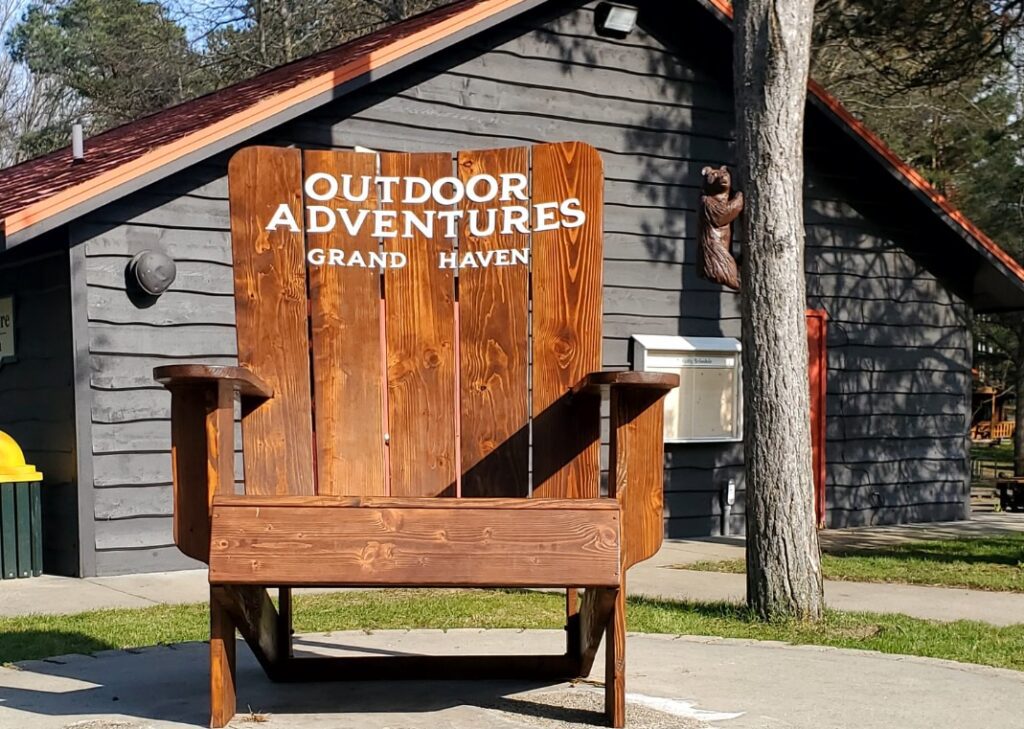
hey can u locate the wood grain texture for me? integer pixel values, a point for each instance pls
(420, 336)
(493, 341)
(415, 502)
(222, 664)
(313, 545)
(220, 442)
(595, 610)
(345, 313)
(189, 464)
(603, 381)
(239, 379)
(636, 469)
(572, 622)
(615, 662)
(271, 310)
(202, 459)
(567, 268)
(253, 613)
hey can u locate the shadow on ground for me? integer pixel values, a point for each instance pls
(169, 684)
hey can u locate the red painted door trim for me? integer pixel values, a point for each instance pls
(818, 376)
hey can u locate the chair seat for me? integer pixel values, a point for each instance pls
(416, 542)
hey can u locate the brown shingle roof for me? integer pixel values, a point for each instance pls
(26, 185)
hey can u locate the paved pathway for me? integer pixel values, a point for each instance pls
(57, 595)
(657, 578)
(674, 683)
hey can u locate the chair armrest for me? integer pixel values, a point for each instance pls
(598, 382)
(239, 379)
(636, 459)
(203, 442)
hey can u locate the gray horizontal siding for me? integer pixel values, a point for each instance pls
(657, 117)
(37, 394)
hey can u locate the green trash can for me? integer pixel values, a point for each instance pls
(21, 513)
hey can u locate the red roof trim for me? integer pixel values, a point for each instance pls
(40, 189)
(915, 178)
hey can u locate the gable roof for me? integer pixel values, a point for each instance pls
(46, 192)
(39, 194)
(914, 180)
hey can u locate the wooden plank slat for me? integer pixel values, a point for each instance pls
(414, 547)
(345, 311)
(253, 613)
(420, 340)
(493, 341)
(615, 662)
(595, 610)
(567, 267)
(415, 502)
(191, 468)
(222, 663)
(636, 475)
(271, 308)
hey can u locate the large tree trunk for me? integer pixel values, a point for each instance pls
(772, 52)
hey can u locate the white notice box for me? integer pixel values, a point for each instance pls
(707, 406)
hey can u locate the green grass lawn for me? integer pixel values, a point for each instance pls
(983, 563)
(994, 461)
(1002, 453)
(42, 636)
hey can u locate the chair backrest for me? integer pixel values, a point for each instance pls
(396, 303)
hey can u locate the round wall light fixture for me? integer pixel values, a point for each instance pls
(152, 271)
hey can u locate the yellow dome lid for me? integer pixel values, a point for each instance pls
(13, 468)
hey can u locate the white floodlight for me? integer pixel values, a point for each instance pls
(616, 18)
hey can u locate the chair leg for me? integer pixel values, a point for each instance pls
(615, 663)
(222, 665)
(573, 642)
(284, 622)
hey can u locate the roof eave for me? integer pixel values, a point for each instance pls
(60, 209)
(991, 254)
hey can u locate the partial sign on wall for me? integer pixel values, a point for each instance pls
(7, 351)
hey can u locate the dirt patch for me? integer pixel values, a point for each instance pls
(859, 632)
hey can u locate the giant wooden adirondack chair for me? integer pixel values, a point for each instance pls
(389, 419)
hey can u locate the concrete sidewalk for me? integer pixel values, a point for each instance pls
(655, 578)
(673, 683)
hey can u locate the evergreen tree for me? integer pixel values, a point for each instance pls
(121, 58)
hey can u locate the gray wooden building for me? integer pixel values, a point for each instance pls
(899, 272)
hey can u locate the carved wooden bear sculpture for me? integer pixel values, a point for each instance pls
(719, 206)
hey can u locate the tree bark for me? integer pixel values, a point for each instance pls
(771, 57)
